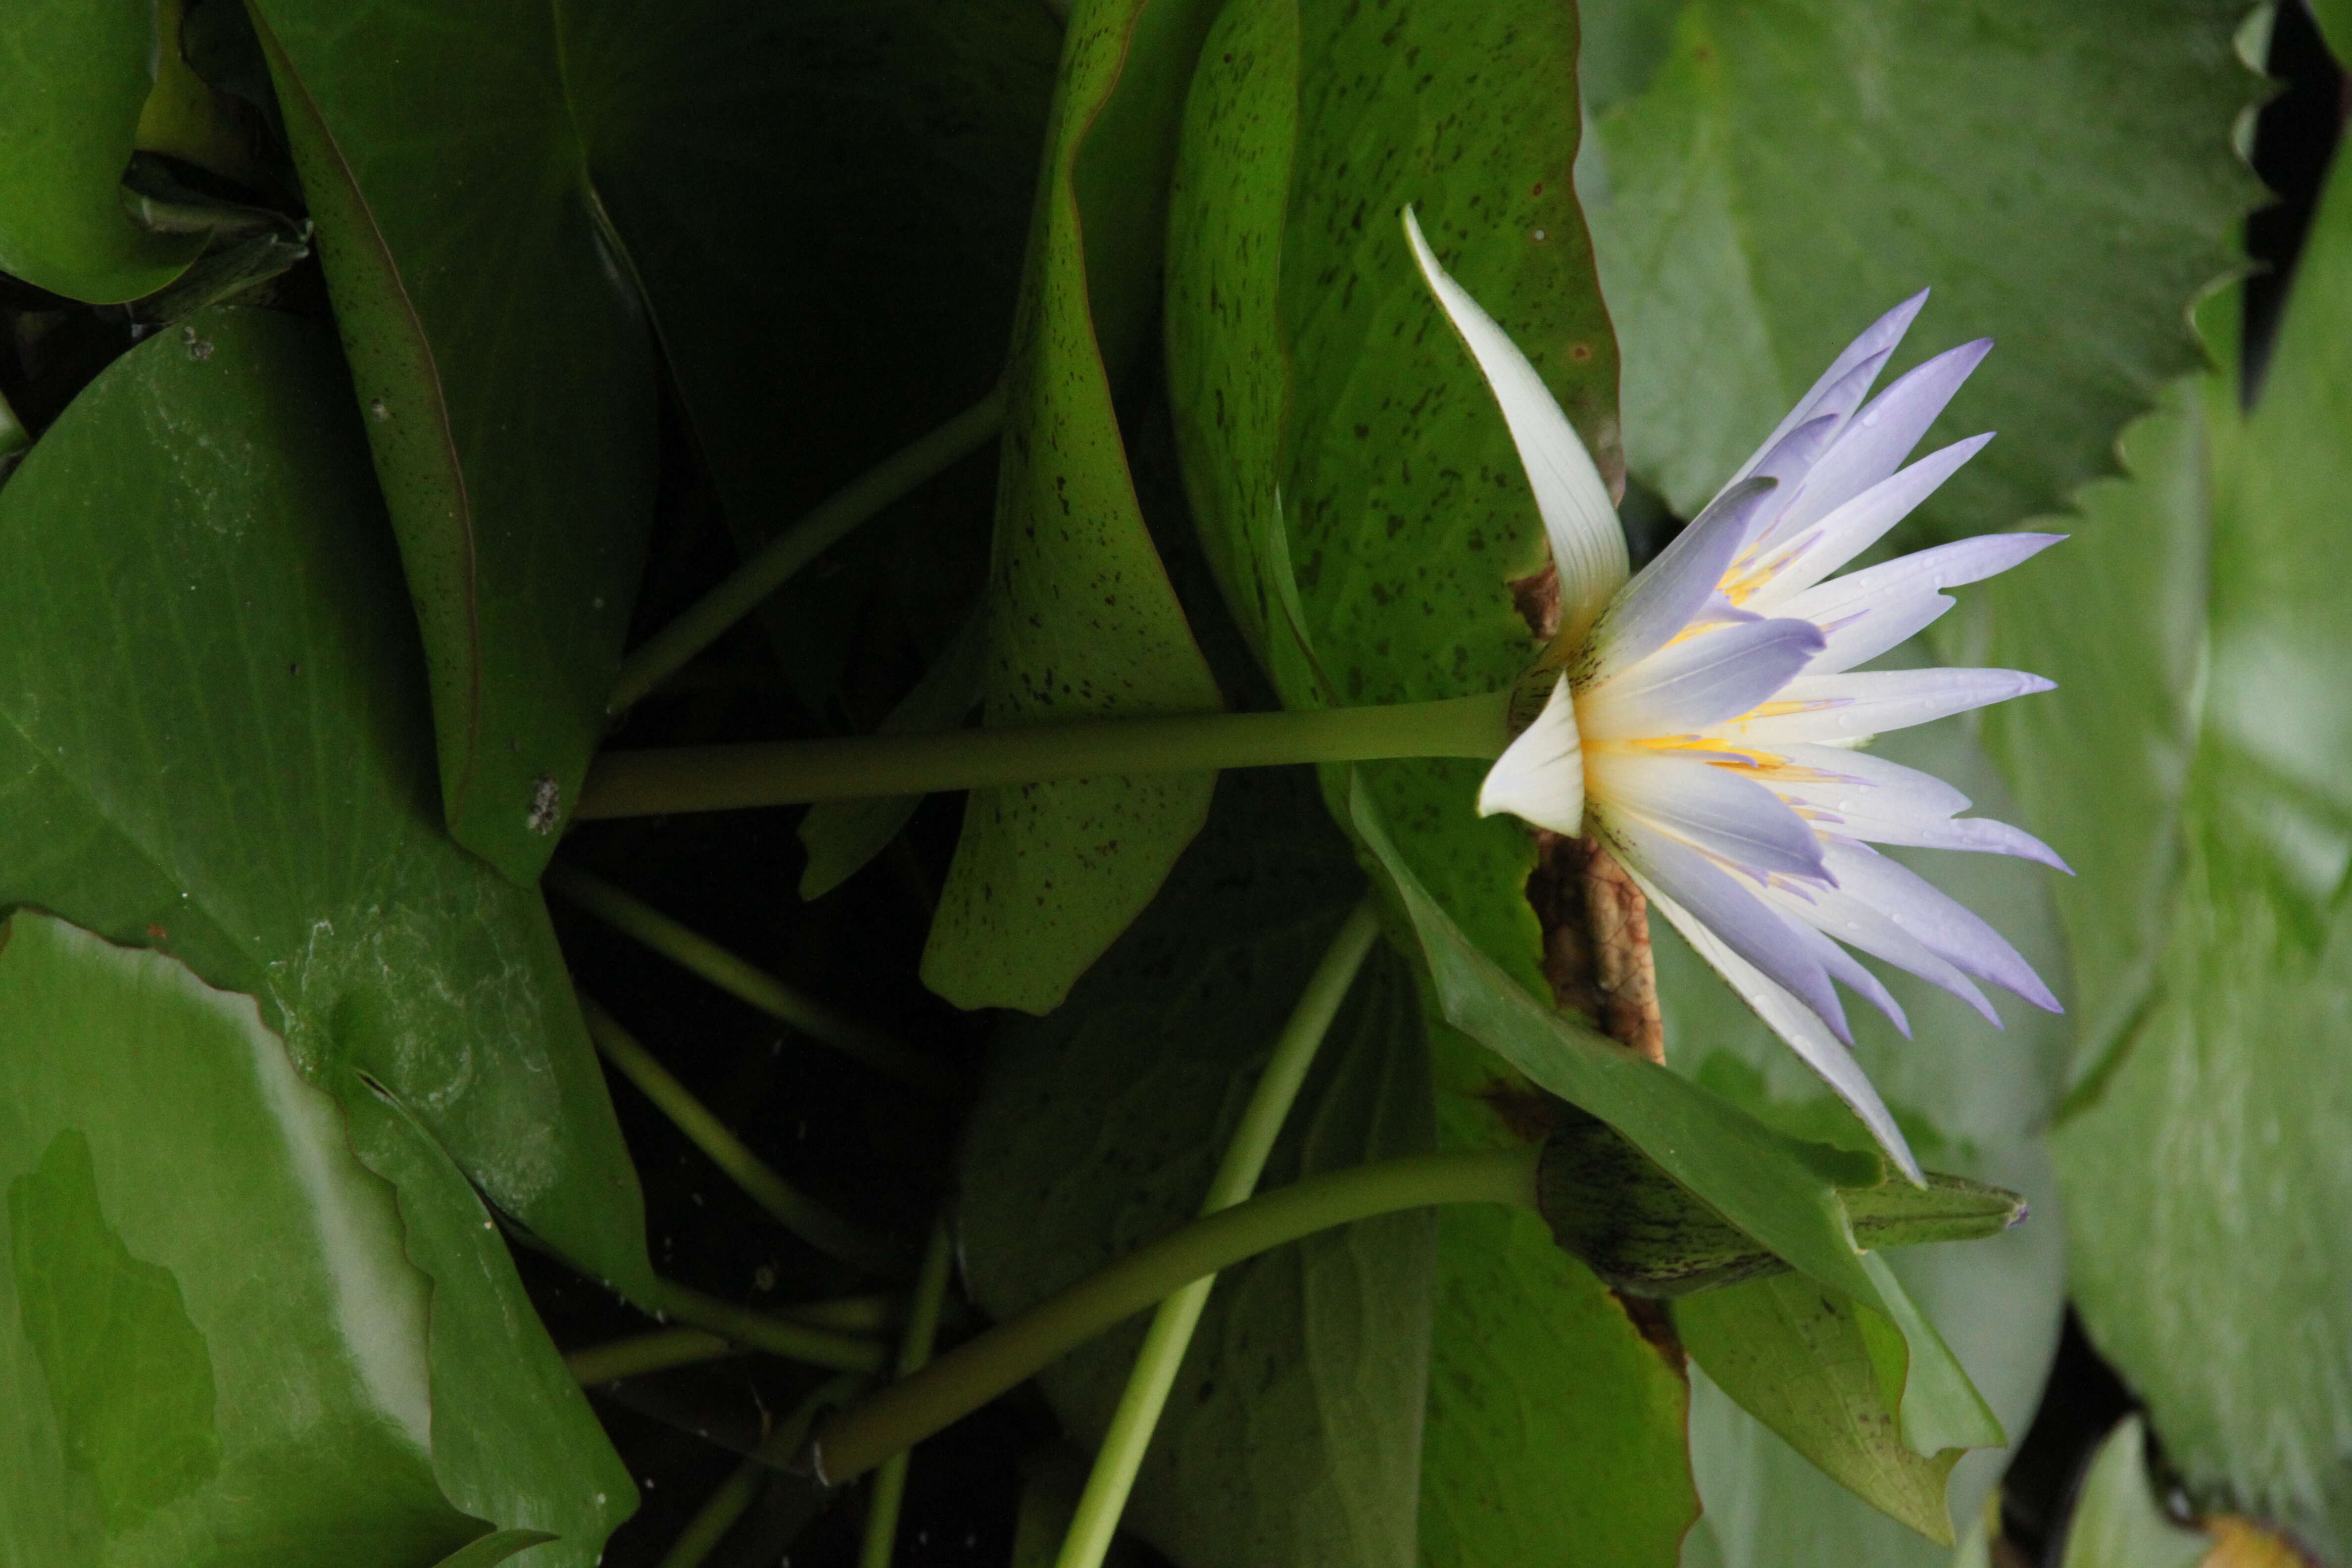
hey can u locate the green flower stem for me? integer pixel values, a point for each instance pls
(646, 1352)
(771, 1335)
(1123, 1450)
(700, 956)
(976, 1371)
(859, 767)
(668, 650)
(736, 1494)
(814, 1223)
(868, 1314)
(922, 1329)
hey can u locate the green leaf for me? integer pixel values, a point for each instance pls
(1816, 1369)
(2063, 180)
(2104, 616)
(1324, 405)
(2198, 1165)
(1971, 1099)
(2117, 1521)
(514, 1440)
(1082, 619)
(1293, 1433)
(1554, 1426)
(74, 76)
(492, 1549)
(503, 362)
(223, 1342)
(213, 742)
(814, 325)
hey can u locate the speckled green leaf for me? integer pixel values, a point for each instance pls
(1556, 1427)
(505, 368)
(1972, 1100)
(222, 1342)
(74, 76)
(2202, 1171)
(2061, 177)
(1293, 1433)
(213, 741)
(1323, 402)
(1082, 620)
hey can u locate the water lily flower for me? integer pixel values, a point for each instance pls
(1700, 720)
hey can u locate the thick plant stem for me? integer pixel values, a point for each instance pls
(889, 1489)
(698, 955)
(1123, 1447)
(736, 1494)
(859, 767)
(773, 1335)
(814, 1223)
(668, 650)
(974, 1373)
(641, 1353)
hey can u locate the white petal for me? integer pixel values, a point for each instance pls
(1588, 544)
(1748, 926)
(1794, 1023)
(1676, 589)
(1943, 925)
(1539, 777)
(1806, 555)
(1878, 341)
(1844, 967)
(1876, 441)
(1730, 817)
(1836, 912)
(1871, 702)
(1716, 676)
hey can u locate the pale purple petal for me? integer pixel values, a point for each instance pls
(1794, 1023)
(1834, 605)
(1729, 816)
(1676, 589)
(1871, 702)
(1878, 341)
(1862, 635)
(1844, 967)
(1869, 798)
(1588, 544)
(1807, 555)
(1838, 913)
(1714, 676)
(1539, 777)
(1746, 924)
(1942, 925)
(1876, 441)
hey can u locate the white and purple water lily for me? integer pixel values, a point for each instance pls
(1702, 716)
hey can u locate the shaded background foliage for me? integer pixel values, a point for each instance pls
(654, 280)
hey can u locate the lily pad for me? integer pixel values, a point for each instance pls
(226, 1345)
(215, 744)
(1082, 620)
(2197, 1163)
(506, 370)
(2064, 178)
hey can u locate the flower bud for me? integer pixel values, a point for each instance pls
(1616, 1210)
